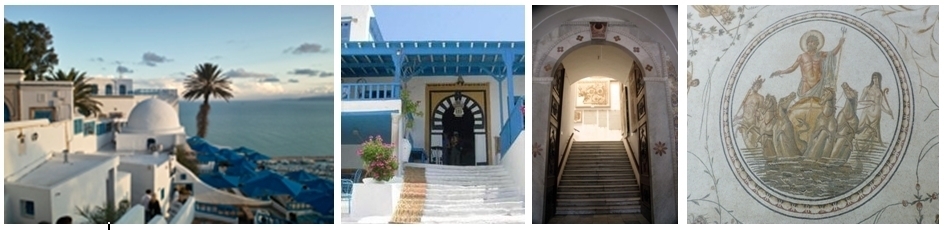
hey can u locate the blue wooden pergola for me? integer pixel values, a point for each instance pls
(406, 59)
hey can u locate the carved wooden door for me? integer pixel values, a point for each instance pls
(645, 182)
(553, 143)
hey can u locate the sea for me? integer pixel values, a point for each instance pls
(276, 128)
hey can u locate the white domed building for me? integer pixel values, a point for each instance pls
(152, 125)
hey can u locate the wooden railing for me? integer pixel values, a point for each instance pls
(561, 162)
(632, 157)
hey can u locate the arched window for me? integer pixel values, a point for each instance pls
(94, 89)
(6, 112)
(122, 90)
(108, 89)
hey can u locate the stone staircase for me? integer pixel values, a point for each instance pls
(598, 179)
(471, 194)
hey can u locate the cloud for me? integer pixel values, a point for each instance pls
(253, 89)
(322, 89)
(306, 48)
(98, 59)
(123, 70)
(270, 79)
(217, 57)
(292, 80)
(179, 74)
(309, 72)
(152, 59)
(241, 73)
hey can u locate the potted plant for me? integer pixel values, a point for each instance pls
(409, 108)
(379, 159)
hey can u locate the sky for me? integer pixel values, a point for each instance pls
(451, 23)
(269, 52)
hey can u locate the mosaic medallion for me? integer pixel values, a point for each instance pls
(816, 114)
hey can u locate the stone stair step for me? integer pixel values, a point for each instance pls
(592, 175)
(598, 202)
(599, 180)
(598, 187)
(597, 210)
(597, 194)
(599, 170)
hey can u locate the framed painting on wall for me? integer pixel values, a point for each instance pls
(593, 94)
(641, 108)
(578, 116)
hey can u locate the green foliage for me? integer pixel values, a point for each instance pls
(207, 80)
(409, 108)
(105, 213)
(186, 159)
(27, 46)
(378, 158)
(81, 92)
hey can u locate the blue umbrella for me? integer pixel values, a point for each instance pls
(301, 176)
(230, 154)
(320, 185)
(241, 171)
(323, 202)
(255, 156)
(219, 180)
(245, 150)
(259, 174)
(271, 184)
(204, 158)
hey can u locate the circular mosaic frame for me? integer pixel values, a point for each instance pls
(877, 179)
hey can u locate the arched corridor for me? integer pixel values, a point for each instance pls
(611, 115)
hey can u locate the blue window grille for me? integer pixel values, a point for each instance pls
(346, 29)
(40, 114)
(122, 90)
(77, 126)
(29, 209)
(108, 90)
(90, 128)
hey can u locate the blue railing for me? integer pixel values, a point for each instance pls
(513, 126)
(216, 209)
(265, 218)
(154, 92)
(370, 91)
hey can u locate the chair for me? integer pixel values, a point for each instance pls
(347, 190)
(357, 176)
(436, 157)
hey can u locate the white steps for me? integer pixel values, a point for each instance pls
(470, 195)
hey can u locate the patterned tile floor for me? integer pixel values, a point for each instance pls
(599, 219)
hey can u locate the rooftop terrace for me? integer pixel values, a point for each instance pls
(55, 170)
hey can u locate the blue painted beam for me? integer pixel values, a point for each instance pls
(432, 48)
(510, 78)
(476, 65)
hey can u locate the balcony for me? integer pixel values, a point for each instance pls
(370, 91)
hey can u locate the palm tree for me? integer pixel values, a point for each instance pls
(108, 214)
(207, 80)
(81, 92)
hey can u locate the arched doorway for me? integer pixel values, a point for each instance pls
(644, 98)
(459, 110)
(457, 123)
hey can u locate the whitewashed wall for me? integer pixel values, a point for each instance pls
(86, 189)
(41, 204)
(19, 156)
